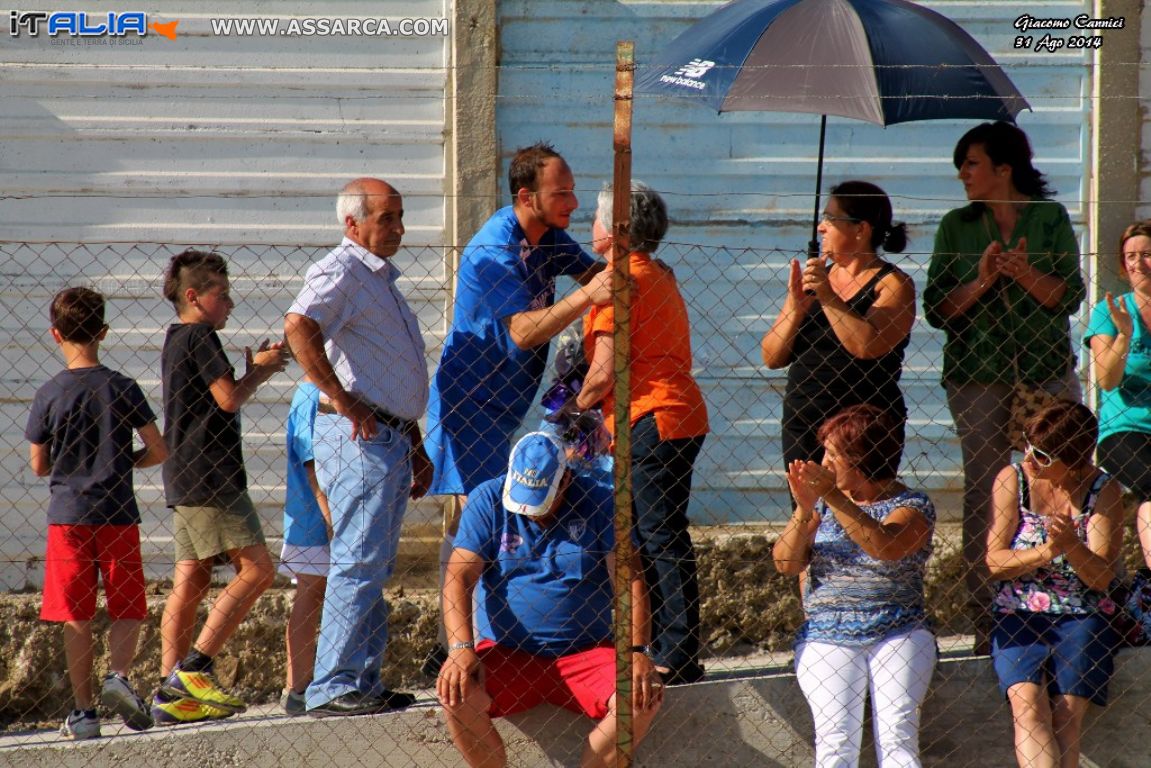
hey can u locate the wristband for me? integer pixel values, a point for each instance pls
(644, 649)
(465, 645)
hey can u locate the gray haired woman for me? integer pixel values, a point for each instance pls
(668, 421)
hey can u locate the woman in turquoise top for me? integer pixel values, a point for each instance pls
(1054, 547)
(862, 538)
(1120, 338)
(1003, 281)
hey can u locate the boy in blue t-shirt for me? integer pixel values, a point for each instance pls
(305, 556)
(80, 430)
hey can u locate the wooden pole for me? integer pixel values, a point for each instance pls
(621, 290)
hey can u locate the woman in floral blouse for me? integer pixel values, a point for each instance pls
(1054, 548)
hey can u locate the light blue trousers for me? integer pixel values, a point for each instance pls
(367, 483)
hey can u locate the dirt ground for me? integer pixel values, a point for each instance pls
(747, 607)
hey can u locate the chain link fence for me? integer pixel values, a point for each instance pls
(740, 501)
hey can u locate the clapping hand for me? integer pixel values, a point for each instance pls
(1061, 533)
(795, 292)
(268, 358)
(1120, 317)
(1013, 263)
(815, 280)
(809, 481)
(989, 263)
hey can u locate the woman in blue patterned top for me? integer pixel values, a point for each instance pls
(1056, 530)
(862, 539)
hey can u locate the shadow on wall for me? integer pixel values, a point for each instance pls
(746, 722)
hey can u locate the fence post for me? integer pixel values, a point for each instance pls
(621, 290)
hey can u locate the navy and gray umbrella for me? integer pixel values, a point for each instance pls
(882, 61)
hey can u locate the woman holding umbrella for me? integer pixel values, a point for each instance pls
(1003, 280)
(843, 328)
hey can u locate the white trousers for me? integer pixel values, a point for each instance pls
(834, 679)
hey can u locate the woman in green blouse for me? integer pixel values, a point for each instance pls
(1003, 281)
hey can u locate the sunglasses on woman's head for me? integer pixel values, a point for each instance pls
(1041, 457)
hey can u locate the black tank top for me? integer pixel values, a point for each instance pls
(822, 370)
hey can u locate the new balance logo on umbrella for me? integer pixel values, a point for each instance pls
(688, 74)
(695, 69)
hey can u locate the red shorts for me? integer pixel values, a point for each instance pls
(76, 555)
(517, 681)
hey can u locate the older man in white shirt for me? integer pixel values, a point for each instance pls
(355, 336)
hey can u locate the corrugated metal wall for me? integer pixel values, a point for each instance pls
(740, 190)
(239, 142)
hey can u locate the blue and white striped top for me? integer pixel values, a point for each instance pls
(852, 598)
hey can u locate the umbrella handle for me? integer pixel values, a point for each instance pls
(813, 244)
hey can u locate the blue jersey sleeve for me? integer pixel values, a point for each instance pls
(496, 281)
(477, 531)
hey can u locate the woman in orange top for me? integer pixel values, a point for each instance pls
(668, 421)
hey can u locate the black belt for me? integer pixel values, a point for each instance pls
(405, 427)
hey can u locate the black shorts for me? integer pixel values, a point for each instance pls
(1127, 457)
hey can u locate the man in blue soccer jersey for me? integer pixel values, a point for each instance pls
(504, 318)
(535, 549)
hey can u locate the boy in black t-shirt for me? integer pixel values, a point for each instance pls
(205, 484)
(80, 429)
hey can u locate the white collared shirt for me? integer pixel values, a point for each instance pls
(371, 335)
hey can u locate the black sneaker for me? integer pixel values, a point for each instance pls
(355, 703)
(397, 699)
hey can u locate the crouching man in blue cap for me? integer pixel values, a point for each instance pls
(538, 545)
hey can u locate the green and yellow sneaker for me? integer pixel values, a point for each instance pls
(201, 688)
(173, 711)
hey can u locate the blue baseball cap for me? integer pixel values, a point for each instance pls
(534, 473)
